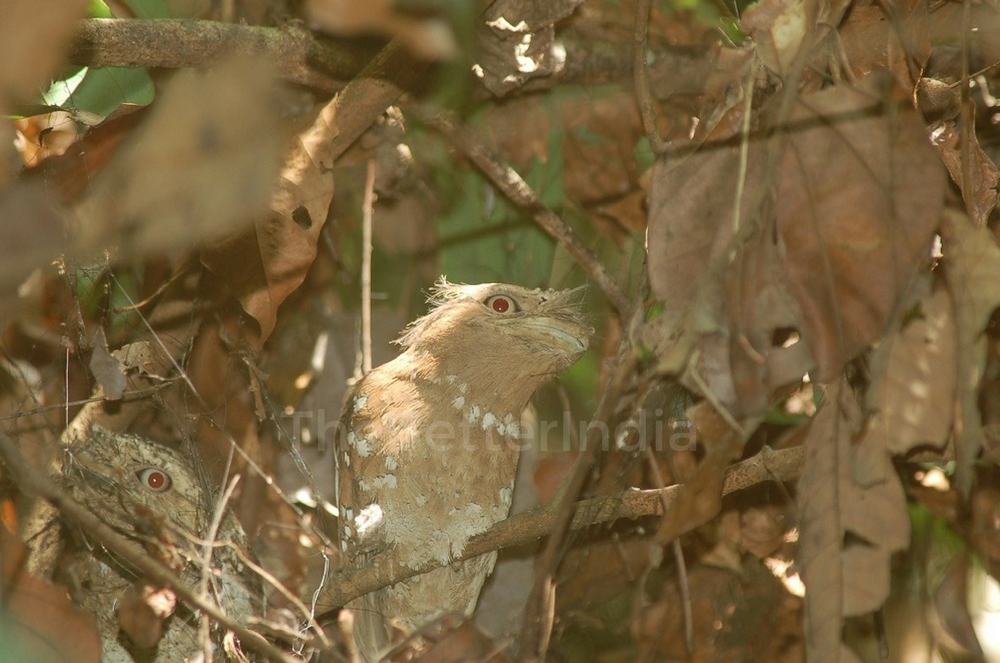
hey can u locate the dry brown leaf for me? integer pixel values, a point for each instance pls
(912, 391)
(517, 42)
(982, 197)
(701, 499)
(973, 260)
(873, 40)
(767, 350)
(266, 264)
(856, 204)
(204, 162)
(105, 368)
(142, 610)
(849, 532)
(859, 196)
(778, 28)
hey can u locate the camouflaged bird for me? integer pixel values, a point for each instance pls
(428, 444)
(155, 495)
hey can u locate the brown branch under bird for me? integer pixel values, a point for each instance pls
(428, 446)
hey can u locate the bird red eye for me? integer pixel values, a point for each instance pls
(154, 479)
(501, 304)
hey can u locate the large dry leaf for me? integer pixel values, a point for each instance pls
(203, 163)
(849, 532)
(825, 255)
(267, 263)
(973, 261)
(859, 196)
(912, 390)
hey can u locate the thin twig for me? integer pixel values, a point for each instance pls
(741, 178)
(682, 576)
(208, 547)
(640, 76)
(968, 188)
(517, 191)
(127, 397)
(31, 482)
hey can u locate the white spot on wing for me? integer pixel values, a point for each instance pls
(489, 419)
(369, 517)
(360, 401)
(390, 463)
(384, 481)
(458, 402)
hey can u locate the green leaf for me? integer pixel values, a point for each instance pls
(99, 9)
(93, 95)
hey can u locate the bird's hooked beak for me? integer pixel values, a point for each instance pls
(572, 338)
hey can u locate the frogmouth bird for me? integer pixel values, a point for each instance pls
(428, 444)
(155, 495)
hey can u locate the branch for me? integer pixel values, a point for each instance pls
(302, 56)
(515, 189)
(768, 465)
(298, 54)
(374, 89)
(31, 482)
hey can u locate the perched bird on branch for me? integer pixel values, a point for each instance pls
(155, 496)
(428, 446)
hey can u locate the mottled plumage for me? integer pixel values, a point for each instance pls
(153, 494)
(428, 446)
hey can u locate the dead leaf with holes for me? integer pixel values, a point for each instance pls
(802, 275)
(849, 531)
(517, 42)
(973, 261)
(264, 265)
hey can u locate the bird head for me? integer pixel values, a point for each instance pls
(500, 331)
